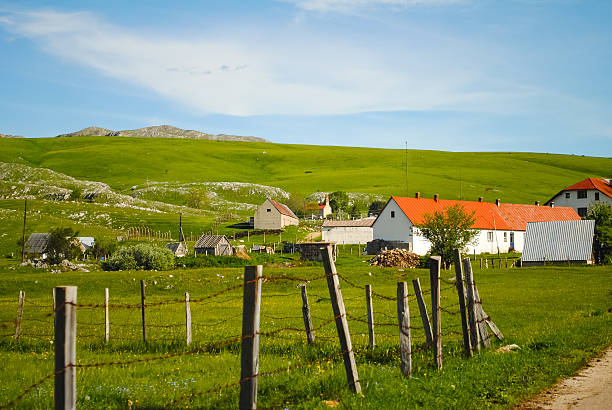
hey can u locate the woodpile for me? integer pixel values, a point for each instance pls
(396, 258)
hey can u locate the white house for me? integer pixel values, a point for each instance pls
(358, 231)
(274, 215)
(583, 194)
(501, 227)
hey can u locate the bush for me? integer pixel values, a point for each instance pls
(140, 256)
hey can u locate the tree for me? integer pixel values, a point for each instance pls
(339, 200)
(448, 230)
(297, 203)
(602, 239)
(62, 245)
(103, 246)
(376, 207)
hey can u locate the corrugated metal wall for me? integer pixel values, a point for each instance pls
(559, 241)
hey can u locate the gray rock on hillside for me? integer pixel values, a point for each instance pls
(10, 136)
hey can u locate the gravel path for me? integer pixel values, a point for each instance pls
(591, 388)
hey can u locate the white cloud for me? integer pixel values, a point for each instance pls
(278, 74)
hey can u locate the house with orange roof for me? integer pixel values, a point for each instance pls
(584, 194)
(501, 227)
(274, 215)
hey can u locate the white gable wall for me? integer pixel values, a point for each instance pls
(396, 228)
(574, 202)
(347, 234)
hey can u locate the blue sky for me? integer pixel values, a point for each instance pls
(458, 75)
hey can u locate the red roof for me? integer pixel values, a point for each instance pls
(283, 209)
(511, 217)
(600, 184)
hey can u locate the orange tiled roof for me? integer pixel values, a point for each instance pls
(600, 184)
(488, 215)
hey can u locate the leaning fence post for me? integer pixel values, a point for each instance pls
(480, 318)
(19, 314)
(106, 318)
(434, 273)
(188, 318)
(142, 304)
(403, 317)
(310, 336)
(368, 290)
(249, 352)
(335, 295)
(65, 347)
(471, 305)
(461, 294)
(416, 284)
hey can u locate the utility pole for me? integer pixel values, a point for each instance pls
(407, 192)
(25, 209)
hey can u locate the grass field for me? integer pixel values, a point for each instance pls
(560, 317)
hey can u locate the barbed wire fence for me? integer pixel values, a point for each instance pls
(61, 321)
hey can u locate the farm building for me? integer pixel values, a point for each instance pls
(325, 208)
(274, 215)
(501, 227)
(558, 242)
(179, 249)
(358, 231)
(213, 245)
(311, 251)
(583, 194)
(37, 244)
(85, 243)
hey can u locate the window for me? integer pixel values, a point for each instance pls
(582, 212)
(582, 193)
(268, 210)
(505, 236)
(567, 194)
(392, 214)
(597, 196)
(490, 236)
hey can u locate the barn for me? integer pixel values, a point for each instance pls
(37, 244)
(213, 245)
(501, 227)
(274, 215)
(179, 249)
(358, 231)
(558, 242)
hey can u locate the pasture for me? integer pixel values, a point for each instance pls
(560, 317)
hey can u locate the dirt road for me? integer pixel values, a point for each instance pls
(590, 389)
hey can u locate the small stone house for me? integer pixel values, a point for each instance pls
(179, 249)
(274, 215)
(311, 251)
(213, 245)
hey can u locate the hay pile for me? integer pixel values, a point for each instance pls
(396, 258)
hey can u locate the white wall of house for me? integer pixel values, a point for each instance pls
(392, 224)
(347, 234)
(580, 205)
(268, 217)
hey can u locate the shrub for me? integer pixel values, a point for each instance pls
(140, 256)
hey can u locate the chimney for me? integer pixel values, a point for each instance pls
(417, 195)
(479, 199)
(497, 202)
(436, 197)
(537, 203)
(552, 204)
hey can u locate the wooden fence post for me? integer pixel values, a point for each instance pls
(370, 309)
(65, 347)
(53, 299)
(462, 310)
(249, 352)
(19, 314)
(434, 273)
(310, 336)
(480, 318)
(416, 284)
(106, 318)
(471, 305)
(403, 318)
(344, 335)
(188, 318)
(142, 305)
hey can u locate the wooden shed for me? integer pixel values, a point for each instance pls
(37, 244)
(311, 251)
(213, 245)
(179, 249)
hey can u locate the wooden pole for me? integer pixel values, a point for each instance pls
(106, 317)
(403, 318)
(249, 353)
(471, 305)
(368, 290)
(480, 317)
(19, 314)
(25, 213)
(340, 316)
(65, 347)
(142, 304)
(188, 318)
(462, 309)
(416, 284)
(435, 263)
(310, 336)
(53, 299)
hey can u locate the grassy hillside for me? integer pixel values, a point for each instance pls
(122, 163)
